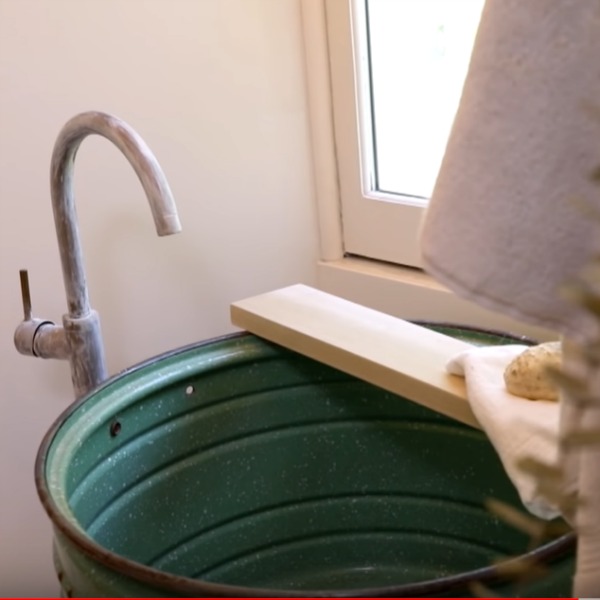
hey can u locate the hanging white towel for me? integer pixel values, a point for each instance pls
(502, 228)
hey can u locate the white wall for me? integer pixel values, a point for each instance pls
(216, 88)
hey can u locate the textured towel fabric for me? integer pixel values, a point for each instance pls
(517, 428)
(502, 228)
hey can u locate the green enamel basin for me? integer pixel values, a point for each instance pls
(234, 467)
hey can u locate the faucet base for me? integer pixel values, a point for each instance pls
(88, 365)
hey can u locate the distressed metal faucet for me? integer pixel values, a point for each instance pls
(79, 339)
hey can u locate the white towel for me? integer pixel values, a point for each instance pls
(501, 227)
(517, 428)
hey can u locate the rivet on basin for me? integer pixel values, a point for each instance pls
(115, 428)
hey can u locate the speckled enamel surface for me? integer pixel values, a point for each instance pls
(240, 463)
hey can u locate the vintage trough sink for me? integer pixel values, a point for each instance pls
(234, 467)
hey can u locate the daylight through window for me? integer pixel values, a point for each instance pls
(418, 55)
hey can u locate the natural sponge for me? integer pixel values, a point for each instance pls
(527, 374)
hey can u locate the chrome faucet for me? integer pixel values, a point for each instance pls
(79, 339)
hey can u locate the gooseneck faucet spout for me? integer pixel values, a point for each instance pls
(63, 203)
(80, 338)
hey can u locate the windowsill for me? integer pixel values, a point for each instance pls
(411, 294)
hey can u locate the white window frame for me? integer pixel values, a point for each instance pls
(405, 292)
(376, 225)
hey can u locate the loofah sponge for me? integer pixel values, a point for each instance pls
(527, 374)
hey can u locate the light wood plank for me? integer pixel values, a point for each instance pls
(391, 353)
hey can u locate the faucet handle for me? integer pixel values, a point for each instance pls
(38, 337)
(25, 294)
(28, 328)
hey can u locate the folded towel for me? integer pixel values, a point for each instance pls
(517, 428)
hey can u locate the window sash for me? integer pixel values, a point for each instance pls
(375, 225)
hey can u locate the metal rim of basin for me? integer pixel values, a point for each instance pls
(194, 587)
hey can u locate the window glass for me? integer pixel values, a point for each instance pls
(418, 53)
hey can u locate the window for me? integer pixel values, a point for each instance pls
(397, 69)
(369, 206)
